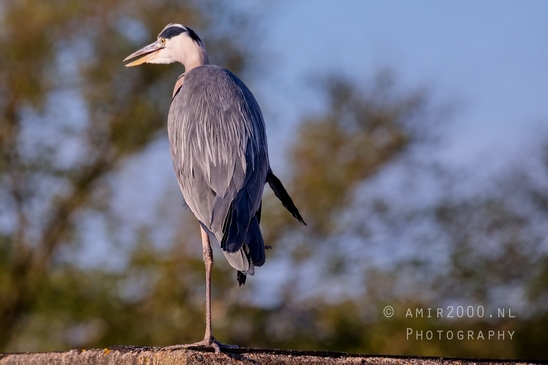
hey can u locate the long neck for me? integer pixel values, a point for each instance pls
(191, 55)
(196, 57)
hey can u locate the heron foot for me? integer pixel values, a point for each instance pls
(210, 342)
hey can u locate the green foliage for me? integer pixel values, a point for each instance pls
(360, 133)
(72, 117)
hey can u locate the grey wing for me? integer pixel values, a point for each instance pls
(218, 145)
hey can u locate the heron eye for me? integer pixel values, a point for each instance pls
(163, 41)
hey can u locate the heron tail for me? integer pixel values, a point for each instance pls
(243, 246)
(280, 192)
(255, 243)
(254, 249)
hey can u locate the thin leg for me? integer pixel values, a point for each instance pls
(209, 340)
(208, 262)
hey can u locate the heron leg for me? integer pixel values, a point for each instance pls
(208, 262)
(209, 340)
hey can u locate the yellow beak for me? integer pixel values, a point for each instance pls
(147, 53)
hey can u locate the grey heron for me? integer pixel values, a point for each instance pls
(218, 145)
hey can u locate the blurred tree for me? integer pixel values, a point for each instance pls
(70, 118)
(362, 131)
(365, 250)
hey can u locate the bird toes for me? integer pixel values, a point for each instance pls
(210, 342)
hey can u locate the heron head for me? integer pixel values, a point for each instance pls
(175, 43)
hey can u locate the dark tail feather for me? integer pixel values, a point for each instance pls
(279, 190)
(255, 243)
(256, 247)
(240, 276)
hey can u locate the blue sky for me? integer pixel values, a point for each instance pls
(489, 58)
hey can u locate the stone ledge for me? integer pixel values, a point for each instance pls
(121, 355)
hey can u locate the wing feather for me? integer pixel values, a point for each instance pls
(219, 150)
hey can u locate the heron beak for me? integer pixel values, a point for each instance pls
(146, 53)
